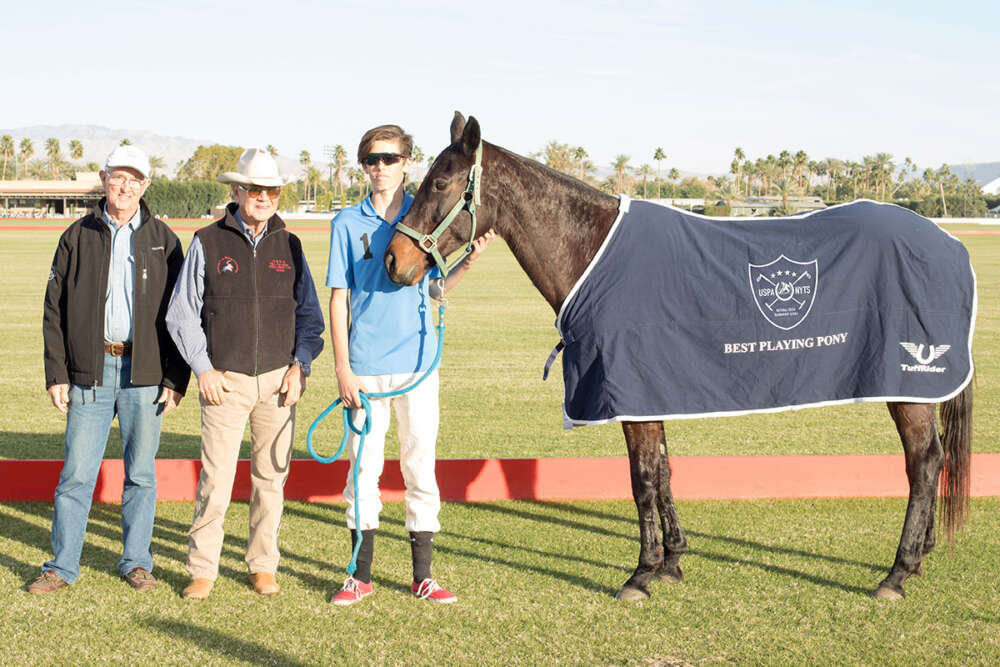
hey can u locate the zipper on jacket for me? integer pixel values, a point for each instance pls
(256, 309)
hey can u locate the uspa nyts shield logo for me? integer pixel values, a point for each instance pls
(784, 290)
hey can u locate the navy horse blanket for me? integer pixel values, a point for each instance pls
(681, 315)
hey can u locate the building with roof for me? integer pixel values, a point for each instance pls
(33, 199)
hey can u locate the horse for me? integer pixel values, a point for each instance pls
(555, 226)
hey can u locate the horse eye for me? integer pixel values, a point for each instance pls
(440, 184)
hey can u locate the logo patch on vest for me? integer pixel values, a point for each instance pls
(784, 290)
(227, 265)
(279, 265)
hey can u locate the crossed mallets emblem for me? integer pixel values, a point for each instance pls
(784, 290)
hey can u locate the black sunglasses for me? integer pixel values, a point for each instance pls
(373, 159)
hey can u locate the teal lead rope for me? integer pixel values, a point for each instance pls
(365, 430)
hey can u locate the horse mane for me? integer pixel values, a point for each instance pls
(552, 222)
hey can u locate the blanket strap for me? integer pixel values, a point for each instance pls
(552, 357)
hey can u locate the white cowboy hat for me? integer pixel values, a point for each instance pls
(127, 156)
(256, 167)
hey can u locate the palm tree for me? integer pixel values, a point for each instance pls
(75, 149)
(659, 156)
(271, 150)
(580, 156)
(620, 165)
(54, 152)
(738, 159)
(339, 156)
(799, 162)
(6, 151)
(673, 175)
(25, 150)
(645, 171)
(155, 162)
(305, 160)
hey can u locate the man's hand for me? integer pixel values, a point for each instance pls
(170, 399)
(350, 388)
(59, 393)
(293, 385)
(479, 245)
(212, 385)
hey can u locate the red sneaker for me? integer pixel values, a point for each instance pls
(352, 592)
(428, 589)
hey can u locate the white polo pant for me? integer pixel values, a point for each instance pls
(418, 418)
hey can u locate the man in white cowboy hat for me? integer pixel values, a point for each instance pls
(107, 353)
(245, 315)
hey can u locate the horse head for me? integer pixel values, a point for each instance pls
(443, 215)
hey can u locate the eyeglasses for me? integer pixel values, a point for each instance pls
(126, 183)
(373, 159)
(254, 191)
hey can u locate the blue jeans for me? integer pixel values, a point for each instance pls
(88, 423)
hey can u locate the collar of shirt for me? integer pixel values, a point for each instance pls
(134, 222)
(368, 210)
(249, 232)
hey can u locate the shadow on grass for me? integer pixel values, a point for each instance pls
(399, 534)
(225, 646)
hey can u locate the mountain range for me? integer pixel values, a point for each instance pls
(98, 141)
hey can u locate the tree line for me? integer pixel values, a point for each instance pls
(334, 181)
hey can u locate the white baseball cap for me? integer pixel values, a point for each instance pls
(128, 156)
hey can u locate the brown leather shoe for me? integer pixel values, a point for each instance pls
(198, 589)
(264, 583)
(47, 583)
(140, 579)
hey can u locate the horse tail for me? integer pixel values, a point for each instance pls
(956, 436)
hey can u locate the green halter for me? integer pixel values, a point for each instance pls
(469, 200)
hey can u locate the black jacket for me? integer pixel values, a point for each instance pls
(73, 320)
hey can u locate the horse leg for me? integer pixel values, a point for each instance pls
(644, 467)
(674, 542)
(924, 455)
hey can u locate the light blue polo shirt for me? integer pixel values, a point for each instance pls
(391, 330)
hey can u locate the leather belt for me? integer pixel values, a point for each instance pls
(118, 349)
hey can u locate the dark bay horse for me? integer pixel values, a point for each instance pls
(555, 225)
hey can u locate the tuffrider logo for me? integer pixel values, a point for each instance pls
(784, 290)
(924, 361)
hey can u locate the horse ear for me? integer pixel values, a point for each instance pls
(471, 136)
(457, 125)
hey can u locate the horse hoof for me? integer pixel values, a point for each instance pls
(886, 593)
(629, 594)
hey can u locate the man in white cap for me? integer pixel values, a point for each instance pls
(245, 316)
(107, 352)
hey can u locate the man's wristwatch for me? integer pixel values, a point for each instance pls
(302, 367)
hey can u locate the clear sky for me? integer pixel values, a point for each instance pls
(836, 79)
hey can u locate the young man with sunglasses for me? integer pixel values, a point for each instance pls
(107, 353)
(246, 317)
(384, 340)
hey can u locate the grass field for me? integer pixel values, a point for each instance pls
(767, 582)
(493, 402)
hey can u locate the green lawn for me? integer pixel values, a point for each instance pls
(493, 402)
(767, 582)
(776, 582)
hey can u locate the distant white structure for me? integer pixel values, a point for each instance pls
(993, 187)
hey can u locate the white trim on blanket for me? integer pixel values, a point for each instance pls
(623, 205)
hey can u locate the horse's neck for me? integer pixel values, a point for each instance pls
(553, 224)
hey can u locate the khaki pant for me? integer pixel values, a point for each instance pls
(271, 429)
